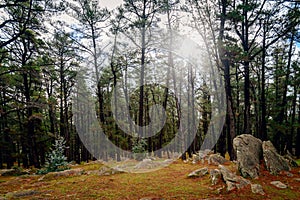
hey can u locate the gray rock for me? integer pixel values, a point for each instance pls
(216, 159)
(257, 189)
(290, 159)
(106, 171)
(167, 162)
(230, 186)
(273, 161)
(227, 175)
(288, 174)
(70, 172)
(196, 158)
(7, 172)
(214, 176)
(249, 151)
(198, 173)
(279, 184)
(233, 181)
(147, 164)
(20, 194)
(203, 154)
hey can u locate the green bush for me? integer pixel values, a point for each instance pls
(56, 160)
(139, 149)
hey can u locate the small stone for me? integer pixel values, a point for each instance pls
(41, 178)
(230, 186)
(106, 171)
(65, 173)
(289, 174)
(242, 182)
(279, 184)
(196, 158)
(290, 159)
(215, 176)
(20, 194)
(198, 173)
(147, 164)
(7, 172)
(216, 159)
(257, 189)
(297, 179)
(219, 190)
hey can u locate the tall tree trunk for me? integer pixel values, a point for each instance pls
(226, 66)
(291, 134)
(298, 134)
(263, 107)
(245, 27)
(142, 74)
(278, 140)
(166, 90)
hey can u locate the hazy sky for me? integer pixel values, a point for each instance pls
(110, 4)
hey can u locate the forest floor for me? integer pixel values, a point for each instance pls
(170, 182)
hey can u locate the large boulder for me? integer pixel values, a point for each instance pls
(273, 161)
(248, 151)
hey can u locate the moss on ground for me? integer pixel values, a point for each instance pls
(170, 182)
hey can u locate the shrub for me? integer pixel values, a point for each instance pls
(139, 149)
(56, 160)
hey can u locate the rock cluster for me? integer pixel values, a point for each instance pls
(232, 180)
(250, 151)
(209, 156)
(251, 154)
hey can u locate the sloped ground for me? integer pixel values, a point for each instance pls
(170, 182)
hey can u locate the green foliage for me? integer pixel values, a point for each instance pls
(56, 160)
(139, 148)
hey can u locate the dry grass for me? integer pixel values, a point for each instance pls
(170, 182)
